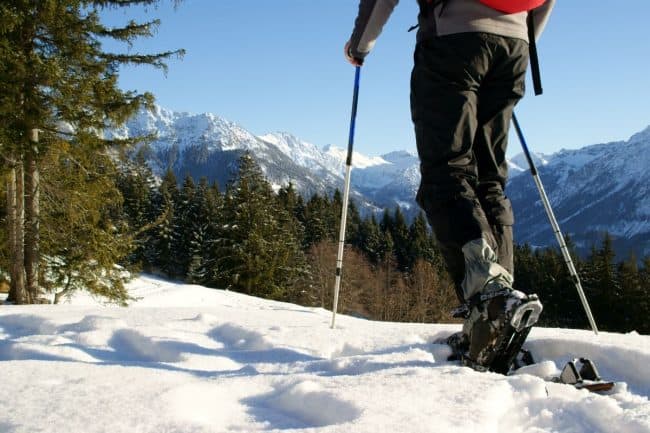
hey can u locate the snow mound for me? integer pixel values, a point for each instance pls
(134, 346)
(239, 338)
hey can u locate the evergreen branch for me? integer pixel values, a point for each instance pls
(128, 142)
(123, 3)
(155, 60)
(130, 32)
(156, 223)
(57, 132)
(117, 3)
(81, 166)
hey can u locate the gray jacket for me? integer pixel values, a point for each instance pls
(445, 18)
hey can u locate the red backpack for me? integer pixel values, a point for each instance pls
(513, 6)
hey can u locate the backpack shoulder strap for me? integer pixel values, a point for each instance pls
(426, 6)
(532, 48)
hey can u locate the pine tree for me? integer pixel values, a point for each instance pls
(370, 240)
(206, 205)
(386, 224)
(288, 198)
(643, 298)
(388, 275)
(352, 224)
(142, 203)
(55, 72)
(603, 286)
(164, 237)
(316, 221)
(420, 242)
(632, 300)
(257, 250)
(82, 204)
(400, 235)
(544, 272)
(185, 226)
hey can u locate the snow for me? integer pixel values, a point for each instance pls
(358, 160)
(301, 152)
(184, 130)
(183, 358)
(329, 159)
(399, 168)
(519, 163)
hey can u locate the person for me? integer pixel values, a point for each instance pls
(469, 72)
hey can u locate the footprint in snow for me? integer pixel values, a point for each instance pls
(303, 404)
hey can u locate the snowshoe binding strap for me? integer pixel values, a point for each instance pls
(460, 312)
(588, 370)
(523, 359)
(571, 374)
(479, 298)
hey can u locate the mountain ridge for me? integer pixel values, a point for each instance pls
(581, 183)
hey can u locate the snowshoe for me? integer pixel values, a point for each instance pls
(498, 326)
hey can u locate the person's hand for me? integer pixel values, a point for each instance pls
(348, 56)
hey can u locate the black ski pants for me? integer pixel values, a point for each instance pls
(463, 91)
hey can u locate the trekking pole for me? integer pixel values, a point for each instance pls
(556, 227)
(346, 195)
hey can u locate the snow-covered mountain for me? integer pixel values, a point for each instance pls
(184, 358)
(598, 188)
(207, 145)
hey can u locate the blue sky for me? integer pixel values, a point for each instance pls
(278, 66)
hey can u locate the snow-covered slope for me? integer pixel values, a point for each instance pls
(189, 359)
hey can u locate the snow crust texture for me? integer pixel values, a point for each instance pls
(185, 358)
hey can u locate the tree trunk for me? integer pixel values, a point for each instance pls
(16, 228)
(58, 296)
(32, 219)
(11, 234)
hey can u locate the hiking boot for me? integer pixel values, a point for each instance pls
(495, 316)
